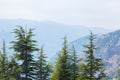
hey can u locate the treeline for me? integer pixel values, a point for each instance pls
(24, 65)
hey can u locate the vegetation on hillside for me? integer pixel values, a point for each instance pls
(24, 65)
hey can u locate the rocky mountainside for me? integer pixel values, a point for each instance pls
(108, 48)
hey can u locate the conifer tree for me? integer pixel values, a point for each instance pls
(4, 63)
(14, 69)
(4, 58)
(62, 65)
(43, 67)
(94, 67)
(2, 74)
(24, 45)
(74, 64)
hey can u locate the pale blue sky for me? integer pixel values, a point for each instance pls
(95, 13)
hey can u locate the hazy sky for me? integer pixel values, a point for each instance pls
(96, 13)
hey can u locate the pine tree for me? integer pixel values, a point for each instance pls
(94, 67)
(4, 58)
(2, 74)
(62, 67)
(14, 69)
(4, 63)
(25, 46)
(74, 64)
(43, 67)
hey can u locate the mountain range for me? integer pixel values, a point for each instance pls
(47, 33)
(51, 35)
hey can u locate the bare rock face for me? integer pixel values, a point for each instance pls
(114, 78)
(117, 75)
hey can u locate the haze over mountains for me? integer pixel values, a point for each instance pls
(47, 33)
(51, 35)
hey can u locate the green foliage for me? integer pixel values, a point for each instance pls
(93, 69)
(67, 66)
(43, 67)
(62, 65)
(24, 45)
(74, 64)
(14, 69)
(4, 63)
(3, 66)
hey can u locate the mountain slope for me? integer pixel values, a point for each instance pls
(108, 48)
